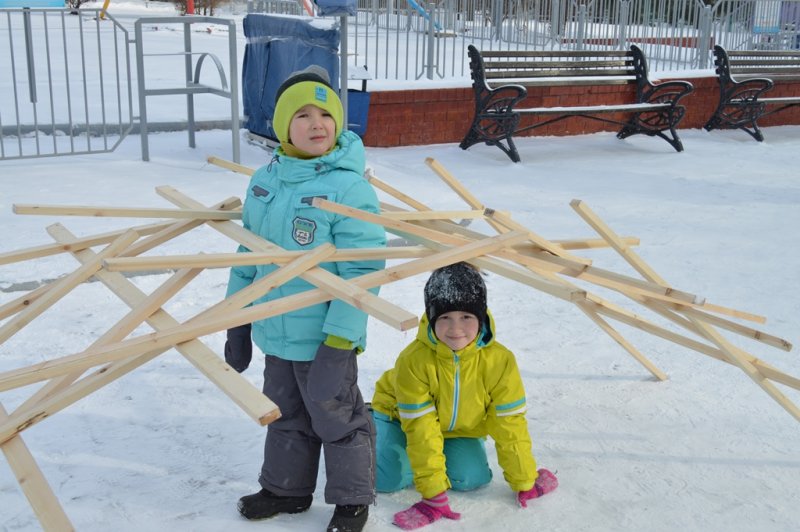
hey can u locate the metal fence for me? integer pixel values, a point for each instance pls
(79, 98)
(408, 40)
(76, 97)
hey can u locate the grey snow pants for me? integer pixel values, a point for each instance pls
(342, 427)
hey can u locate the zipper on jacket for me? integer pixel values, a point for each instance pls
(456, 390)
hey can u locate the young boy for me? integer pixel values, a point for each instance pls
(449, 389)
(310, 354)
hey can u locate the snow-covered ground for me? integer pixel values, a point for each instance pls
(163, 449)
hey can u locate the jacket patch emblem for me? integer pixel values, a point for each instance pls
(303, 230)
(259, 192)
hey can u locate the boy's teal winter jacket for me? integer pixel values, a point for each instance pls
(278, 208)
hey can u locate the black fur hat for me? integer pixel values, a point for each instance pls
(458, 287)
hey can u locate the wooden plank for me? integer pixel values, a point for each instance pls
(539, 261)
(617, 337)
(34, 485)
(568, 244)
(591, 243)
(633, 259)
(229, 165)
(748, 332)
(456, 186)
(733, 354)
(177, 228)
(370, 302)
(195, 328)
(434, 215)
(282, 275)
(63, 286)
(227, 260)
(540, 241)
(498, 217)
(126, 212)
(235, 386)
(47, 250)
(694, 345)
(464, 252)
(513, 272)
(60, 392)
(158, 234)
(23, 302)
(408, 200)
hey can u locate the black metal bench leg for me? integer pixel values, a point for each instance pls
(494, 130)
(744, 117)
(656, 127)
(754, 131)
(471, 138)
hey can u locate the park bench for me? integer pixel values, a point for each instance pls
(744, 76)
(501, 80)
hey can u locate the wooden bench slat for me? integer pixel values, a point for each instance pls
(563, 82)
(505, 65)
(765, 62)
(762, 53)
(488, 54)
(595, 108)
(572, 73)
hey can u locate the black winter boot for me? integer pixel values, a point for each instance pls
(349, 518)
(266, 504)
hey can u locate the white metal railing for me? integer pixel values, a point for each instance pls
(77, 97)
(413, 39)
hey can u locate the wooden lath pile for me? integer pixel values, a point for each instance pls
(515, 252)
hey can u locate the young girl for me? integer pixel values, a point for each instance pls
(310, 363)
(449, 389)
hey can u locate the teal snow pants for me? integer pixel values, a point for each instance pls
(465, 459)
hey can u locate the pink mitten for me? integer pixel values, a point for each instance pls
(425, 512)
(546, 483)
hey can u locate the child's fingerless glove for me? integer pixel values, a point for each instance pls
(546, 483)
(425, 512)
(239, 347)
(328, 369)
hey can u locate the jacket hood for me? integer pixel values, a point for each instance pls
(484, 338)
(345, 156)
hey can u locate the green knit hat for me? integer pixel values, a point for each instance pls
(309, 86)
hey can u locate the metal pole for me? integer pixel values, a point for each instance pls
(581, 27)
(26, 19)
(232, 58)
(429, 66)
(624, 14)
(140, 85)
(704, 43)
(343, 74)
(187, 49)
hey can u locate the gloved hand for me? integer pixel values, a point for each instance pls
(239, 347)
(327, 372)
(425, 512)
(546, 483)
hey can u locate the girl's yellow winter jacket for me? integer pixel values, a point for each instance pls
(437, 393)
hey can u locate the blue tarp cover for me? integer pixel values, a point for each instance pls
(276, 47)
(326, 8)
